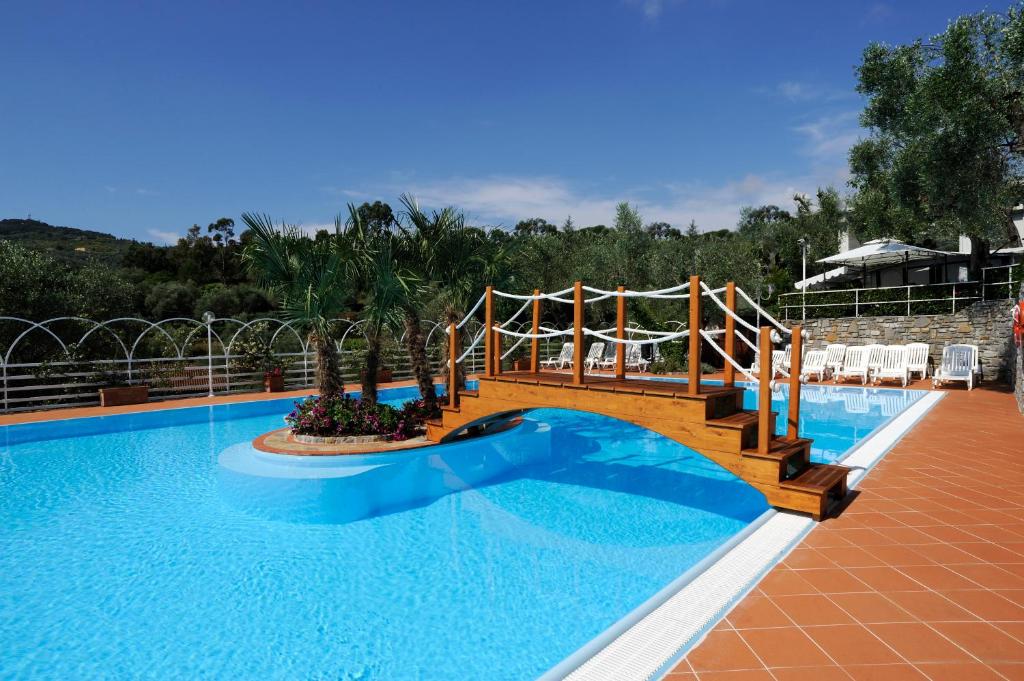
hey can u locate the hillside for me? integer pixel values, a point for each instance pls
(68, 244)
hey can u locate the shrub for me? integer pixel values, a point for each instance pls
(343, 415)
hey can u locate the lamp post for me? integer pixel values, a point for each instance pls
(208, 318)
(803, 287)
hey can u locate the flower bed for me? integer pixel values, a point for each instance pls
(345, 417)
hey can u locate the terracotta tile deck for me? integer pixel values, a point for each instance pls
(921, 577)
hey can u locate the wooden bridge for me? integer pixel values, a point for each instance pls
(708, 419)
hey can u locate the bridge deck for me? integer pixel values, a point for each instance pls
(711, 422)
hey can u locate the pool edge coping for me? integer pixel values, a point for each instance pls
(598, 658)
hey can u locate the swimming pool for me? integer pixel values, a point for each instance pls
(128, 550)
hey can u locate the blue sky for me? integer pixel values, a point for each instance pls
(143, 118)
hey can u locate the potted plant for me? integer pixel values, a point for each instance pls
(273, 380)
(117, 395)
(520, 362)
(384, 374)
(73, 367)
(255, 356)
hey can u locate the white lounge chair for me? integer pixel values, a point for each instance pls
(917, 359)
(814, 363)
(608, 361)
(834, 356)
(777, 357)
(959, 363)
(787, 356)
(894, 365)
(635, 358)
(876, 356)
(594, 356)
(855, 365)
(563, 360)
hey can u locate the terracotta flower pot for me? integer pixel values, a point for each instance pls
(383, 375)
(122, 395)
(273, 383)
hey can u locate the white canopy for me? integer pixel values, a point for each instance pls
(880, 252)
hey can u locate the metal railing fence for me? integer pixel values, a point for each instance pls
(920, 299)
(192, 357)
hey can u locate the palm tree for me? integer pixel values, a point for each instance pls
(387, 285)
(457, 260)
(310, 279)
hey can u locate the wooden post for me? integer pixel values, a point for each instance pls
(620, 333)
(496, 362)
(730, 334)
(795, 369)
(535, 342)
(693, 387)
(764, 391)
(453, 366)
(488, 333)
(577, 334)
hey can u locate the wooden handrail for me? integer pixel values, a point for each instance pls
(620, 333)
(453, 365)
(795, 369)
(577, 334)
(488, 333)
(694, 373)
(535, 329)
(764, 391)
(730, 334)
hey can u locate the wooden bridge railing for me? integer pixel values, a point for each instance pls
(493, 352)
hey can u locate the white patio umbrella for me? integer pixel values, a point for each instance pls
(881, 252)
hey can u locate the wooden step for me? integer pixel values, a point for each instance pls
(737, 421)
(818, 477)
(778, 449)
(826, 483)
(469, 393)
(784, 460)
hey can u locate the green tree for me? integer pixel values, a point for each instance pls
(310, 279)
(946, 118)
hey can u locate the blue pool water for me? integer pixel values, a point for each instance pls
(139, 546)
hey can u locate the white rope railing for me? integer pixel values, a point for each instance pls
(513, 348)
(520, 311)
(764, 313)
(515, 334)
(472, 346)
(725, 308)
(469, 316)
(736, 365)
(649, 341)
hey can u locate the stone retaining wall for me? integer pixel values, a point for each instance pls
(987, 325)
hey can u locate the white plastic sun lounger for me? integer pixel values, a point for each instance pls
(959, 363)
(594, 356)
(608, 361)
(894, 365)
(855, 365)
(834, 356)
(787, 356)
(876, 356)
(917, 359)
(563, 360)
(777, 357)
(635, 358)
(814, 364)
